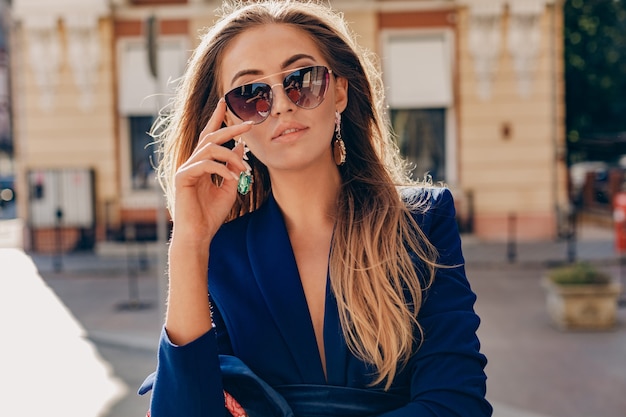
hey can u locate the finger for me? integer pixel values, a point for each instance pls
(212, 131)
(223, 135)
(215, 121)
(188, 175)
(232, 158)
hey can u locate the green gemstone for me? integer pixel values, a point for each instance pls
(245, 183)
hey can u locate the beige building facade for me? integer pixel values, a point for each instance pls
(475, 93)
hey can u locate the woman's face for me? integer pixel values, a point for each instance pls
(291, 137)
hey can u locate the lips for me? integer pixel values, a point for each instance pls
(287, 129)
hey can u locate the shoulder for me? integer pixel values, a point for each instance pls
(433, 210)
(425, 196)
(428, 203)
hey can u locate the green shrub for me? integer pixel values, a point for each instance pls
(580, 273)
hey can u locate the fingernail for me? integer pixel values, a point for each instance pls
(235, 176)
(239, 140)
(249, 122)
(221, 100)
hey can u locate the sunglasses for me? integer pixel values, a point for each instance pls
(305, 87)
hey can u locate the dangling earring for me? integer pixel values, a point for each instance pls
(245, 182)
(245, 177)
(339, 147)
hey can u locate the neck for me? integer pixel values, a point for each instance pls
(307, 198)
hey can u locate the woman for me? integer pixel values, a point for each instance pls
(335, 285)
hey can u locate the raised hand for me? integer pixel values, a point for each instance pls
(201, 205)
(200, 208)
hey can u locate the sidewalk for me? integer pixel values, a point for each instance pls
(593, 244)
(117, 298)
(534, 370)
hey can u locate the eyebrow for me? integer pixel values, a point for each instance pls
(284, 65)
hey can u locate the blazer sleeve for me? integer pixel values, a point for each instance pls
(447, 375)
(188, 379)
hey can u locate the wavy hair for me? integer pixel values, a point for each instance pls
(373, 276)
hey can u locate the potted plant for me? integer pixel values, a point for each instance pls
(581, 297)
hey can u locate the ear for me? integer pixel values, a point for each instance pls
(341, 94)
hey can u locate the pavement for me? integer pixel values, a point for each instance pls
(113, 299)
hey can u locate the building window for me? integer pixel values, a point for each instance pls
(421, 138)
(418, 75)
(142, 152)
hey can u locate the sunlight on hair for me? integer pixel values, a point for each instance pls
(48, 366)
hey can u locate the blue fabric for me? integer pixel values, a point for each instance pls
(261, 400)
(261, 317)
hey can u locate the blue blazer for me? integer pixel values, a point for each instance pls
(261, 317)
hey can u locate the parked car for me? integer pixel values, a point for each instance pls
(578, 174)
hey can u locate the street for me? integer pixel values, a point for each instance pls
(534, 369)
(534, 366)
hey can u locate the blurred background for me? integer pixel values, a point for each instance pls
(519, 106)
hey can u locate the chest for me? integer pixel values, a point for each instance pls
(311, 255)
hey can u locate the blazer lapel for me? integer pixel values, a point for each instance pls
(275, 270)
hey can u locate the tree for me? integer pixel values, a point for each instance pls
(595, 71)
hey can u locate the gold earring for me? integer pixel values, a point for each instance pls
(339, 147)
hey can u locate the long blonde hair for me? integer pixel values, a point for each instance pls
(372, 273)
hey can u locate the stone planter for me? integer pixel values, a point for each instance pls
(582, 307)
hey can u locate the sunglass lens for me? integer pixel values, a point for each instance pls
(307, 87)
(250, 102)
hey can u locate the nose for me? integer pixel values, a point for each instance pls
(280, 102)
